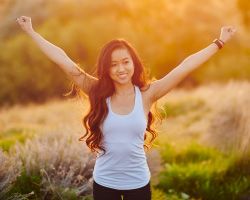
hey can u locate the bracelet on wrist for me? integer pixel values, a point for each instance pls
(219, 43)
(222, 41)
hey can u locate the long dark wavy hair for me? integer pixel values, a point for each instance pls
(104, 88)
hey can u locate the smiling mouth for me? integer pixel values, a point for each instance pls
(122, 75)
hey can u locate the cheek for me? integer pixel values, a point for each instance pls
(131, 68)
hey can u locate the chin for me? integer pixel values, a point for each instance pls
(122, 82)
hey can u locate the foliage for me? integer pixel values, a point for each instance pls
(203, 173)
(244, 7)
(53, 167)
(190, 170)
(27, 183)
(9, 137)
(182, 107)
(163, 36)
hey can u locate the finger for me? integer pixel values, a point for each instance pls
(23, 18)
(226, 27)
(229, 29)
(232, 28)
(18, 20)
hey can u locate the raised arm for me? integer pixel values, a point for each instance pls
(162, 86)
(57, 55)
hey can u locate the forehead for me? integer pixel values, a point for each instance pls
(120, 54)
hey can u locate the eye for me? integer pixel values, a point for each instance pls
(126, 62)
(113, 64)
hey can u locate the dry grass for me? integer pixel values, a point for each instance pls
(10, 168)
(61, 160)
(54, 115)
(222, 122)
(221, 119)
(229, 128)
(55, 124)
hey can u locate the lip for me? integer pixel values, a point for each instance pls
(124, 75)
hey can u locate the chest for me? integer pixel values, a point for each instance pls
(125, 105)
(127, 128)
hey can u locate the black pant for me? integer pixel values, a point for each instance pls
(104, 193)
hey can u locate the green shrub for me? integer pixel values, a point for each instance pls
(56, 192)
(192, 153)
(157, 194)
(195, 153)
(182, 107)
(17, 196)
(9, 137)
(204, 173)
(25, 184)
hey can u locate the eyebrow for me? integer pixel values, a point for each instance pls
(121, 59)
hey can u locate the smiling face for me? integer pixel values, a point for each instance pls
(122, 66)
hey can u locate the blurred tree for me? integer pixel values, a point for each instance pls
(163, 32)
(244, 7)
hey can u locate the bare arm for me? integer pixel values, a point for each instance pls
(162, 86)
(57, 55)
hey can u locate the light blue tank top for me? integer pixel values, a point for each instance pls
(124, 165)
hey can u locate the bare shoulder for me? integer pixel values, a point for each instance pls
(81, 78)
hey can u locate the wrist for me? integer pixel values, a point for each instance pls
(222, 41)
(31, 32)
(219, 43)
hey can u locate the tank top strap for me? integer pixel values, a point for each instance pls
(136, 96)
(139, 103)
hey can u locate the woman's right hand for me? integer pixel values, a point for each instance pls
(25, 23)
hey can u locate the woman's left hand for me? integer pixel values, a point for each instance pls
(226, 33)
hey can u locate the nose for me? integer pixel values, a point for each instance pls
(120, 68)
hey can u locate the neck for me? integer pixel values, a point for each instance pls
(124, 90)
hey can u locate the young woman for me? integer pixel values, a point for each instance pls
(119, 118)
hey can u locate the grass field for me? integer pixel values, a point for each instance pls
(203, 147)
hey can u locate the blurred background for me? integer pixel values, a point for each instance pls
(163, 32)
(203, 147)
